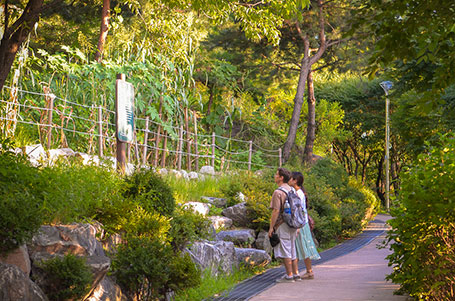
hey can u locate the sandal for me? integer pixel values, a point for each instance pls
(307, 275)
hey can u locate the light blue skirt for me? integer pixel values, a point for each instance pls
(305, 246)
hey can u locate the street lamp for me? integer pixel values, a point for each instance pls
(386, 86)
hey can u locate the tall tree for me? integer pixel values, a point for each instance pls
(15, 32)
(104, 28)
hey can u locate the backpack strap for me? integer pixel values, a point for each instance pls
(287, 195)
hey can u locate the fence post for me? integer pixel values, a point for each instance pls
(163, 156)
(180, 148)
(213, 150)
(195, 142)
(121, 146)
(279, 154)
(49, 121)
(146, 138)
(250, 153)
(100, 132)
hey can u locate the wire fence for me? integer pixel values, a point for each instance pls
(58, 122)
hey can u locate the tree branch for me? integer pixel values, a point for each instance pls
(6, 16)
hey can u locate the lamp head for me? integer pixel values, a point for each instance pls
(386, 86)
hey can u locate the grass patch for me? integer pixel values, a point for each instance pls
(215, 286)
(193, 190)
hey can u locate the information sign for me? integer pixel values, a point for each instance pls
(125, 111)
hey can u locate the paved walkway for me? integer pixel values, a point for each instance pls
(358, 275)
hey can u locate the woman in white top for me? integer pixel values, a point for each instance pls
(305, 247)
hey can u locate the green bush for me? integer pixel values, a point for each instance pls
(21, 200)
(146, 269)
(231, 190)
(150, 191)
(423, 234)
(187, 226)
(67, 278)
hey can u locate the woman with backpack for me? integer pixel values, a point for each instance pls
(305, 247)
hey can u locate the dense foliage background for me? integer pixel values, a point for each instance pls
(234, 68)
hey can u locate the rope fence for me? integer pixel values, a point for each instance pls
(64, 123)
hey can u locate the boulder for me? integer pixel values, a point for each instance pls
(163, 171)
(88, 159)
(55, 154)
(207, 170)
(217, 202)
(15, 285)
(217, 256)
(245, 237)
(263, 242)
(107, 290)
(193, 175)
(35, 153)
(240, 197)
(129, 169)
(77, 239)
(219, 222)
(184, 174)
(252, 257)
(201, 208)
(238, 214)
(18, 257)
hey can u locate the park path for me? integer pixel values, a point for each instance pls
(358, 275)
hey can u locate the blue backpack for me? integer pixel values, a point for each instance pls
(294, 217)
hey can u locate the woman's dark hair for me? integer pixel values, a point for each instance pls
(298, 177)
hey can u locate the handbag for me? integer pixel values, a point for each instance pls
(311, 222)
(274, 239)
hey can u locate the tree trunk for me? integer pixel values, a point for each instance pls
(298, 102)
(16, 34)
(311, 126)
(305, 69)
(104, 29)
(379, 182)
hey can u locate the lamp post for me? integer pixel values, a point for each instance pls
(386, 86)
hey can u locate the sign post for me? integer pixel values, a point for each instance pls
(124, 121)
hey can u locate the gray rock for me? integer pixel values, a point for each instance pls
(217, 202)
(18, 257)
(201, 208)
(263, 242)
(238, 214)
(219, 222)
(107, 290)
(15, 285)
(252, 257)
(217, 256)
(35, 154)
(207, 170)
(184, 174)
(245, 237)
(129, 169)
(240, 196)
(163, 171)
(77, 239)
(193, 175)
(88, 159)
(55, 154)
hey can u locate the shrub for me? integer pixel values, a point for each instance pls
(66, 278)
(146, 269)
(21, 201)
(231, 190)
(187, 226)
(74, 191)
(423, 234)
(150, 191)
